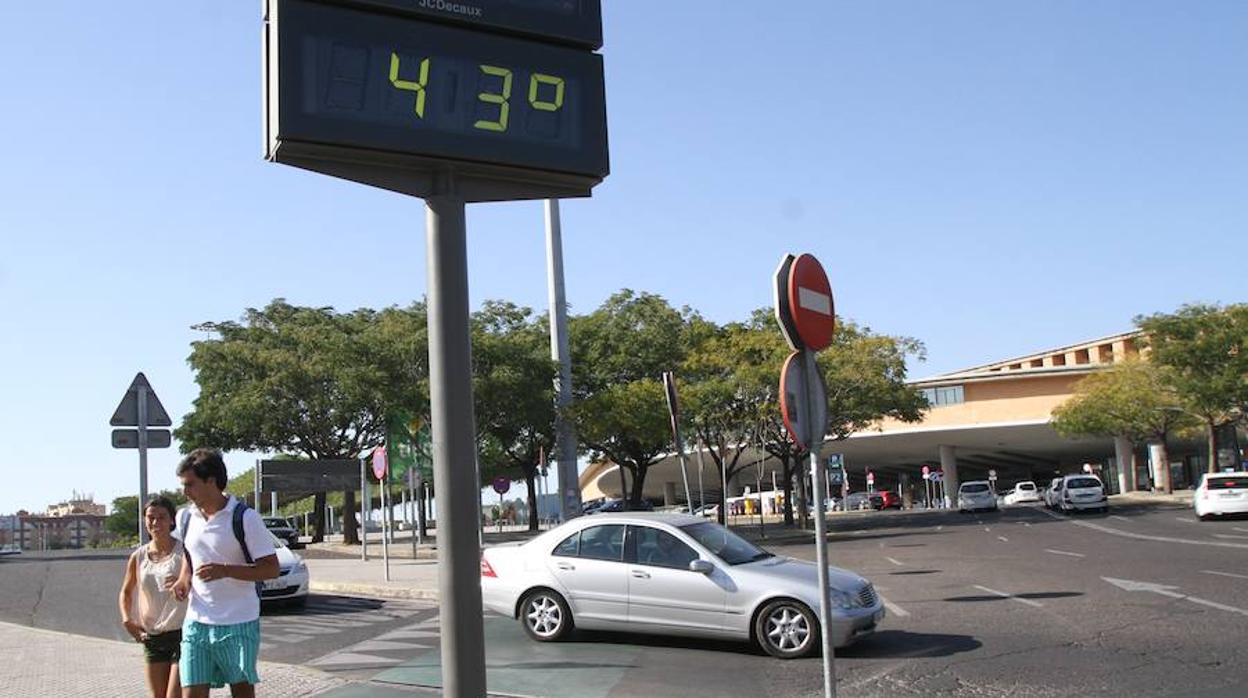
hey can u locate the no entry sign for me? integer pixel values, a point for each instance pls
(810, 303)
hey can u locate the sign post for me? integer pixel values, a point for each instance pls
(673, 412)
(141, 408)
(366, 92)
(803, 306)
(501, 485)
(381, 467)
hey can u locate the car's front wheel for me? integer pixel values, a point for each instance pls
(545, 615)
(786, 629)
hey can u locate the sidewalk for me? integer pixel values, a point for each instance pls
(1180, 498)
(40, 663)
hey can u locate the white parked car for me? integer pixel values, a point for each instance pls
(1053, 493)
(671, 574)
(1081, 493)
(291, 584)
(976, 495)
(1221, 493)
(1024, 491)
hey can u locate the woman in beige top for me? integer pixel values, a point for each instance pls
(153, 616)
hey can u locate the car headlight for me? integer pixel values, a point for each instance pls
(842, 599)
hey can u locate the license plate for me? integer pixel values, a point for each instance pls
(274, 584)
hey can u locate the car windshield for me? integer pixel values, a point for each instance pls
(276, 522)
(1227, 483)
(1078, 482)
(725, 544)
(974, 488)
(277, 542)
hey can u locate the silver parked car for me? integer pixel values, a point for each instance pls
(670, 574)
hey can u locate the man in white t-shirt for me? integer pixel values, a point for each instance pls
(221, 635)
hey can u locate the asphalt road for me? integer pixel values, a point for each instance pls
(1146, 601)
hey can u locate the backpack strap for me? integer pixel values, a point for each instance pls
(184, 521)
(240, 508)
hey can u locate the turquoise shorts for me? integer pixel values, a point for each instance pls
(219, 655)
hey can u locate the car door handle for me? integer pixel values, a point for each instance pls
(565, 566)
(641, 574)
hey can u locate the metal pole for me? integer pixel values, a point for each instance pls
(458, 490)
(257, 479)
(272, 503)
(385, 526)
(701, 488)
(670, 385)
(411, 497)
(821, 541)
(143, 538)
(565, 434)
(365, 505)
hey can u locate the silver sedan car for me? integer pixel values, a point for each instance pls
(670, 574)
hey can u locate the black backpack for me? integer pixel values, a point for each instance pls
(240, 508)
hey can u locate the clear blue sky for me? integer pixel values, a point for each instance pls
(993, 178)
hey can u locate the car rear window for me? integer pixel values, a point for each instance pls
(975, 487)
(1226, 483)
(1026, 486)
(1078, 482)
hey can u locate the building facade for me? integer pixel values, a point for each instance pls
(75, 523)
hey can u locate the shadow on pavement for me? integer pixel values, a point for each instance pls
(641, 640)
(887, 644)
(325, 605)
(913, 572)
(1030, 595)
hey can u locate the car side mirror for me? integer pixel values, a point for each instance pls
(701, 566)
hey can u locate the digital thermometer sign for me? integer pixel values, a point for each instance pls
(350, 89)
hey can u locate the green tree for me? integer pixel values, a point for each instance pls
(1134, 399)
(619, 353)
(309, 382)
(513, 388)
(1205, 348)
(728, 393)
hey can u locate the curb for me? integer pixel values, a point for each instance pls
(373, 590)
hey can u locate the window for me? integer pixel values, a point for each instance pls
(569, 546)
(1226, 483)
(725, 544)
(602, 543)
(948, 395)
(650, 546)
(1080, 482)
(974, 487)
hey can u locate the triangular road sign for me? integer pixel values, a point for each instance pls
(127, 414)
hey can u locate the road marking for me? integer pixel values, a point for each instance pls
(1241, 530)
(1184, 519)
(894, 608)
(940, 528)
(1120, 518)
(1140, 536)
(1063, 552)
(1167, 590)
(1230, 536)
(1225, 574)
(987, 529)
(1011, 597)
(1003, 539)
(895, 562)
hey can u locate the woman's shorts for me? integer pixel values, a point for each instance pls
(164, 648)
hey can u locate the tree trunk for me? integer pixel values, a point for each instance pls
(803, 516)
(350, 528)
(1167, 485)
(624, 493)
(786, 465)
(318, 518)
(639, 481)
(531, 481)
(1211, 432)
